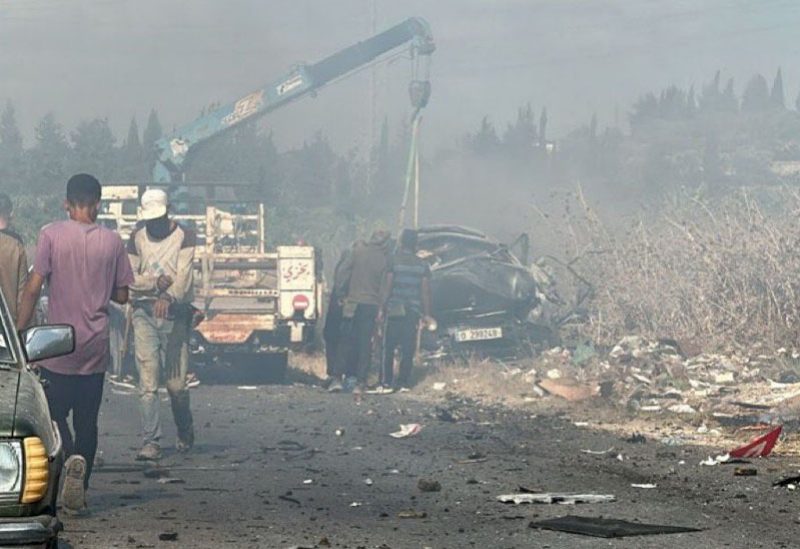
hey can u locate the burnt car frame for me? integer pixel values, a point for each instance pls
(483, 296)
(31, 454)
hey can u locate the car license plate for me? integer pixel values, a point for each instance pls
(478, 334)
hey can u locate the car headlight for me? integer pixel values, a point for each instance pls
(10, 471)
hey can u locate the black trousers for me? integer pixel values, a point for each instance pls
(401, 333)
(81, 395)
(332, 334)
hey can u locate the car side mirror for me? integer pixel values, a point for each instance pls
(42, 342)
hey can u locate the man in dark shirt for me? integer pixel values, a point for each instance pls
(364, 274)
(407, 300)
(332, 333)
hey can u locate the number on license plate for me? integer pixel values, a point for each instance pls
(479, 334)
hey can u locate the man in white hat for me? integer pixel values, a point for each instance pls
(161, 254)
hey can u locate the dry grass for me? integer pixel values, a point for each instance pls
(722, 275)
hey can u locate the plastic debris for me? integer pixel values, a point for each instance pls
(644, 486)
(407, 430)
(559, 498)
(368, 481)
(758, 447)
(247, 388)
(722, 458)
(171, 480)
(439, 386)
(356, 504)
(598, 452)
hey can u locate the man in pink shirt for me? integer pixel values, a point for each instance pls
(85, 266)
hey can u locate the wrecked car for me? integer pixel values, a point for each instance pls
(31, 454)
(484, 296)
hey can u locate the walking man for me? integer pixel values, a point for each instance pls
(161, 254)
(333, 331)
(13, 260)
(85, 266)
(407, 300)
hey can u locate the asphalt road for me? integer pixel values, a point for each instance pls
(269, 470)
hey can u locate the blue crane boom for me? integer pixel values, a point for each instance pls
(301, 80)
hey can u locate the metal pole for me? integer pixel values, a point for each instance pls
(416, 186)
(409, 172)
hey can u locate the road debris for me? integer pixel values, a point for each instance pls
(758, 447)
(407, 430)
(171, 480)
(644, 486)
(559, 498)
(429, 485)
(722, 458)
(569, 389)
(790, 482)
(439, 386)
(598, 452)
(168, 536)
(411, 514)
(607, 528)
(745, 472)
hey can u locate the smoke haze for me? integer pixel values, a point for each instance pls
(119, 58)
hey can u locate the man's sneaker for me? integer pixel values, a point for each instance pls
(350, 384)
(73, 493)
(335, 386)
(149, 452)
(185, 442)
